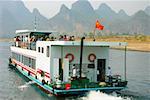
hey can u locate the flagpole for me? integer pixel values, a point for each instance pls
(94, 34)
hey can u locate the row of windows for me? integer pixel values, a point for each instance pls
(16, 56)
(41, 50)
(25, 60)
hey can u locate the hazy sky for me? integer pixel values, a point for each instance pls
(49, 8)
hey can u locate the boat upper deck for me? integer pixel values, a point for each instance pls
(28, 39)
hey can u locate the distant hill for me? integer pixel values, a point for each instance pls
(147, 10)
(14, 15)
(79, 19)
(140, 23)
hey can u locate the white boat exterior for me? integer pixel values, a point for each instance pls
(51, 58)
(59, 49)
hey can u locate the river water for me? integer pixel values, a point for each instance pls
(138, 75)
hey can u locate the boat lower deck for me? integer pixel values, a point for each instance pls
(50, 88)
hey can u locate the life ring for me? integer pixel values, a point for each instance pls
(70, 56)
(91, 57)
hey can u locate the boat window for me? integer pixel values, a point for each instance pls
(42, 50)
(16, 56)
(47, 53)
(33, 63)
(38, 49)
(28, 61)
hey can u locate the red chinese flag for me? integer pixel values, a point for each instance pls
(99, 26)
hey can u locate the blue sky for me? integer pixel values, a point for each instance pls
(49, 8)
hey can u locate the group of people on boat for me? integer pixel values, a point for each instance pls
(66, 38)
(26, 41)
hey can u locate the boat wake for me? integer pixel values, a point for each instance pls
(93, 95)
(26, 85)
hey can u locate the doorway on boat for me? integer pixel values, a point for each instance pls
(101, 66)
(60, 70)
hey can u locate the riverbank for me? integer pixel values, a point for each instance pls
(143, 47)
(6, 40)
(135, 43)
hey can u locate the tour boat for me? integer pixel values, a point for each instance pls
(63, 67)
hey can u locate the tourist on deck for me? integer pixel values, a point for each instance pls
(26, 41)
(74, 72)
(47, 39)
(109, 71)
(109, 75)
(40, 39)
(52, 38)
(32, 42)
(61, 38)
(32, 39)
(73, 38)
(29, 42)
(70, 38)
(17, 41)
(26, 38)
(65, 38)
(55, 39)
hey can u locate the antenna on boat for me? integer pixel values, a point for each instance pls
(125, 64)
(35, 24)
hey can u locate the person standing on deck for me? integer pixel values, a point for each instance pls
(17, 41)
(74, 71)
(26, 41)
(61, 38)
(109, 71)
(109, 74)
(65, 37)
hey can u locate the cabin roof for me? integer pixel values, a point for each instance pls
(78, 43)
(34, 31)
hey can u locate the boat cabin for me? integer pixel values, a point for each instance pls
(59, 58)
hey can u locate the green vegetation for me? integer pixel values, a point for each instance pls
(122, 37)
